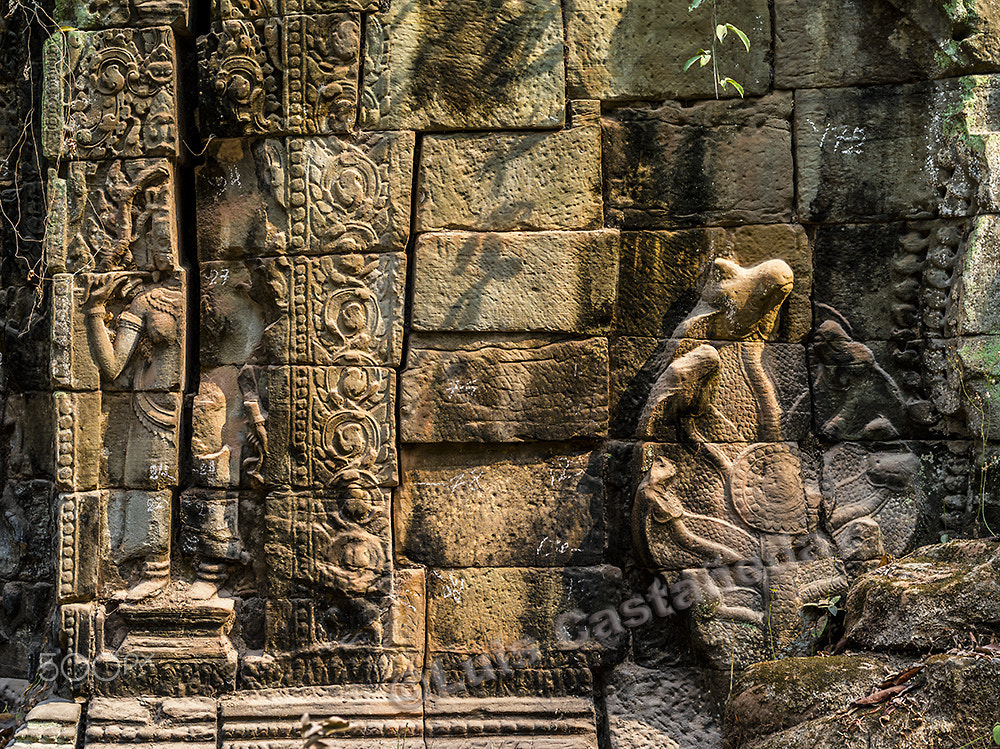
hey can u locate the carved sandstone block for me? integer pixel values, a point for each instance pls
(634, 371)
(614, 49)
(377, 717)
(115, 215)
(504, 391)
(292, 73)
(471, 609)
(840, 44)
(335, 541)
(95, 15)
(874, 153)
(716, 162)
(460, 64)
(110, 94)
(78, 440)
(499, 182)
(515, 281)
(50, 724)
(161, 723)
(325, 424)
(662, 272)
(225, 9)
(526, 722)
(305, 196)
(494, 506)
(26, 537)
(78, 521)
(338, 309)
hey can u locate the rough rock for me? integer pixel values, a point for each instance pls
(562, 282)
(917, 602)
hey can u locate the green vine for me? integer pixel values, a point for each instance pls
(710, 55)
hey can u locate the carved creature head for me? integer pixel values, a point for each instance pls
(742, 303)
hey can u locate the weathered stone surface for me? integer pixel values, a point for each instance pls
(615, 50)
(850, 44)
(110, 94)
(715, 162)
(973, 307)
(891, 497)
(49, 724)
(121, 13)
(499, 182)
(635, 366)
(671, 708)
(266, 717)
(224, 9)
(470, 609)
(27, 534)
(661, 273)
(293, 73)
(494, 506)
(532, 723)
(460, 64)
(775, 695)
(116, 215)
(325, 422)
(973, 381)
(516, 282)
(305, 196)
(337, 309)
(875, 154)
(880, 277)
(339, 541)
(914, 603)
(504, 391)
(164, 723)
(949, 686)
(77, 439)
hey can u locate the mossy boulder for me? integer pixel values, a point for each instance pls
(925, 600)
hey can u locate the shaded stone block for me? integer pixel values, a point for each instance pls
(332, 310)
(892, 497)
(110, 94)
(78, 544)
(875, 154)
(850, 44)
(504, 181)
(504, 391)
(515, 281)
(716, 162)
(122, 13)
(25, 345)
(464, 65)
(324, 422)
(975, 283)
(30, 435)
(292, 73)
(26, 538)
(269, 717)
(615, 49)
(78, 440)
(305, 196)
(494, 506)
(470, 609)
(335, 541)
(671, 707)
(662, 273)
(538, 723)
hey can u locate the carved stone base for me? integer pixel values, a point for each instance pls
(176, 649)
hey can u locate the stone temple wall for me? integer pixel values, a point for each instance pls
(473, 372)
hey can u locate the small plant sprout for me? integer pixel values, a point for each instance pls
(706, 56)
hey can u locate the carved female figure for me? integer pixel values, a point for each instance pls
(149, 335)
